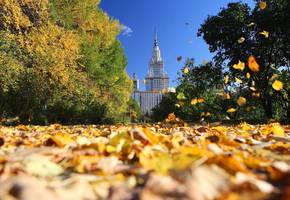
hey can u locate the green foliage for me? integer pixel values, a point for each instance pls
(60, 61)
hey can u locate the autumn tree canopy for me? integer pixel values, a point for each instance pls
(60, 61)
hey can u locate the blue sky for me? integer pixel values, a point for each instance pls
(175, 37)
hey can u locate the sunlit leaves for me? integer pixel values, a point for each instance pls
(240, 66)
(195, 101)
(131, 156)
(277, 85)
(253, 65)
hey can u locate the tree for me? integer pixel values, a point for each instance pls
(60, 61)
(196, 94)
(237, 32)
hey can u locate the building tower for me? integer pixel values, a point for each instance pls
(155, 82)
(135, 82)
(156, 79)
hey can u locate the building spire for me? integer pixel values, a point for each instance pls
(155, 38)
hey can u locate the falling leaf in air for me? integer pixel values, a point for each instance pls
(239, 81)
(241, 101)
(239, 66)
(241, 40)
(265, 34)
(253, 65)
(186, 70)
(231, 110)
(263, 5)
(251, 24)
(277, 85)
(227, 78)
(179, 58)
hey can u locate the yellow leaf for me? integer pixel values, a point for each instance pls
(253, 89)
(248, 75)
(278, 130)
(239, 66)
(171, 117)
(263, 5)
(207, 114)
(253, 65)
(227, 96)
(277, 85)
(62, 139)
(201, 100)
(153, 138)
(241, 40)
(193, 102)
(274, 77)
(251, 24)
(256, 94)
(158, 161)
(231, 110)
(241, 101)
(186, 70)
(239, 81)
(265, 34)
(226, 80)
(177, 105)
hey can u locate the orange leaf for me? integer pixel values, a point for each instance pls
(253, 65)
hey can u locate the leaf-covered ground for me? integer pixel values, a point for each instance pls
(154, 162)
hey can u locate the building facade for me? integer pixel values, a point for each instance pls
(156, 82)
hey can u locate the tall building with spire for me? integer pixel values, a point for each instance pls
(156, 81)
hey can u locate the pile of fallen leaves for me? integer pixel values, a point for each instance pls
(162, 161)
